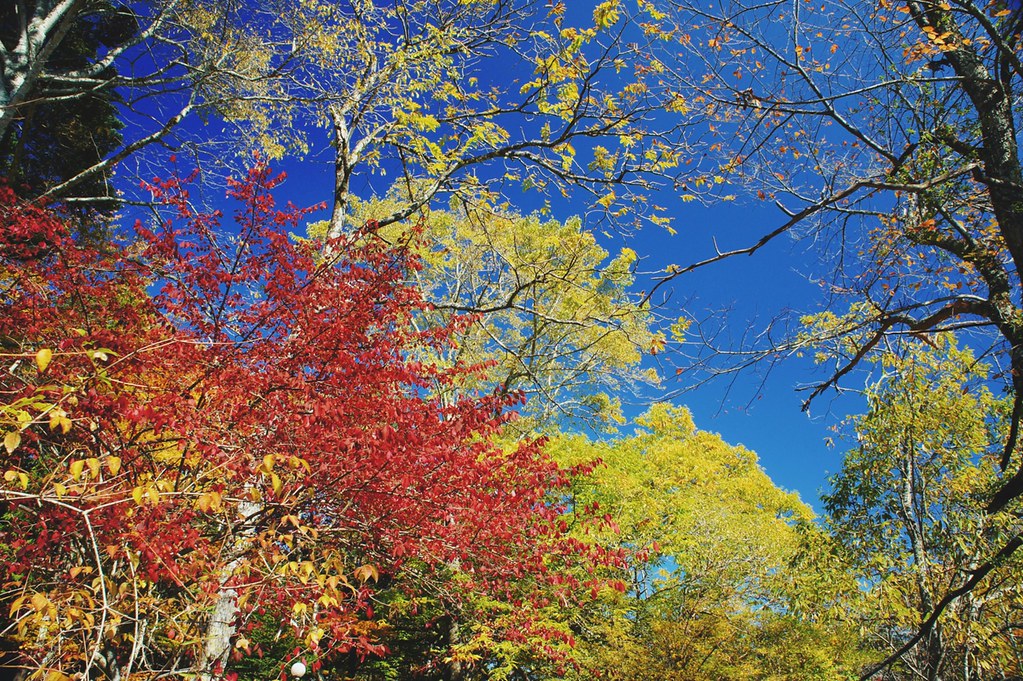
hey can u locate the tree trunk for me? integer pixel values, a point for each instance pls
(221, 627)
(454, 671)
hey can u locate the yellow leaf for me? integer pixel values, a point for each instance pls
(136, 494)
(276, 482)
(76, 469)
(606, 14)
(11, 441)
(209, 502)
(23, 479)
(59, 489)
(39, 602)
(268, 462)
(16, 605)
(113, 464)
(93, 464)
(313, 637)
(364, 573)
(43, 358)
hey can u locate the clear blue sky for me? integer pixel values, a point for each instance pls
(760, 409)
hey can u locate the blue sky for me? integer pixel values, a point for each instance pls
(761, 408)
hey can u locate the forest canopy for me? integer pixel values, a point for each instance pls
(430, 427)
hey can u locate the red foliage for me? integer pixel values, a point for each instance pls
(230, 412)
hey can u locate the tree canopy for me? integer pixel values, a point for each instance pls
(713, 590)
(379, 436)
(554, 316)
(262, 416)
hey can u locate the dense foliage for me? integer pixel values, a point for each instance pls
(202, 430)
(719, 586)
(908, 511)
(231, 445)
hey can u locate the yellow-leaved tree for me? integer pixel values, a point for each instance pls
(908, 510)
(717, 581)
(450, 98)
(548, 311)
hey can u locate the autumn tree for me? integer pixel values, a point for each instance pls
(406, 89)
(553, 314)
(256, 442)
(552, 319)
(908, 509)
(888, 135)
(419, 101)
(716, 587)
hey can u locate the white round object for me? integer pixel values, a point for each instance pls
(298, 669)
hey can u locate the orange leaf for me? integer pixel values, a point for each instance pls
(364, 573)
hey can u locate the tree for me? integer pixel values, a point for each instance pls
(59, 66)
(404, 88)
(54, 139)
(266, 417)
(551, 319)
(715, 584)
(888, 135)
(908, 508)
(419, 99)
(553, 315)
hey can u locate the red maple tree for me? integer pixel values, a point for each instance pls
(205, 424)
